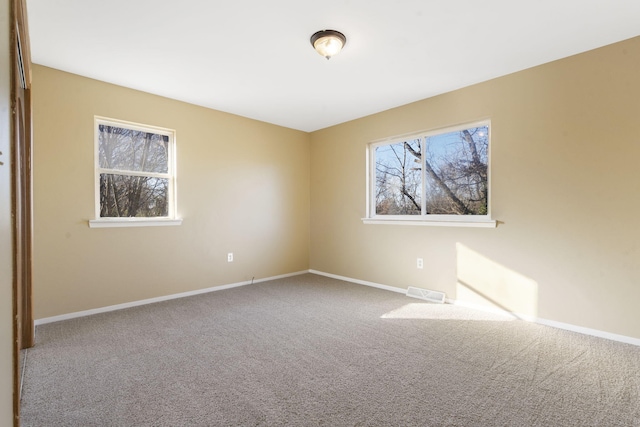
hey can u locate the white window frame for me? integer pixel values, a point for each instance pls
(105, 222)
(425, 218)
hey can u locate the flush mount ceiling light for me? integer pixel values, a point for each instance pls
(328, 42)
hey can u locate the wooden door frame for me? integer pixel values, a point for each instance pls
(24, 170)
(22, 193)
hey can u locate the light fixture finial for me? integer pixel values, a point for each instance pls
(328, 42)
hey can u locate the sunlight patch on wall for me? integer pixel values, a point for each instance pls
(442, 312)
(484, 282)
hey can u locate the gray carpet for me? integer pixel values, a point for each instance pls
(312, 351)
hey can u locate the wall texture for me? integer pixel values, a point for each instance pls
(565, 188)
(243, 187)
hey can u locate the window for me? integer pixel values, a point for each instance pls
(134, 173)
(434, 178)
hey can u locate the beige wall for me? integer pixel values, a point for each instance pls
(565, 188)
(243, 187)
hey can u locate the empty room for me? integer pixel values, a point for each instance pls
(360, 214)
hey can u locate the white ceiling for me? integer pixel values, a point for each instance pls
(253, 57)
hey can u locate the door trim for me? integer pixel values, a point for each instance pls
(22, 192)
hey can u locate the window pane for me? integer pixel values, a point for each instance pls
(133, 150)
(399, 178)
(456, 172)
(133, 196)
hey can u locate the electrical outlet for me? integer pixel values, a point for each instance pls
(419, 263)
(230, 257)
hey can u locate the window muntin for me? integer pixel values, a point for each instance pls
(135, 176)
(438, 175)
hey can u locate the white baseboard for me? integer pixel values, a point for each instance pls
(589, 331)
(533, 319)
(360, 282)
(77, 314)
(552, 323)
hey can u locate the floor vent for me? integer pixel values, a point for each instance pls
(425, 294)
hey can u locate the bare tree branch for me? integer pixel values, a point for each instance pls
(461, 206)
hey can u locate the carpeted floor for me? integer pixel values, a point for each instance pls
(313, 351)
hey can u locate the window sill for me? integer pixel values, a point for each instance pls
(133, 222)
(484, 223)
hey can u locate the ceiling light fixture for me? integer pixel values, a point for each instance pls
(328, 42)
